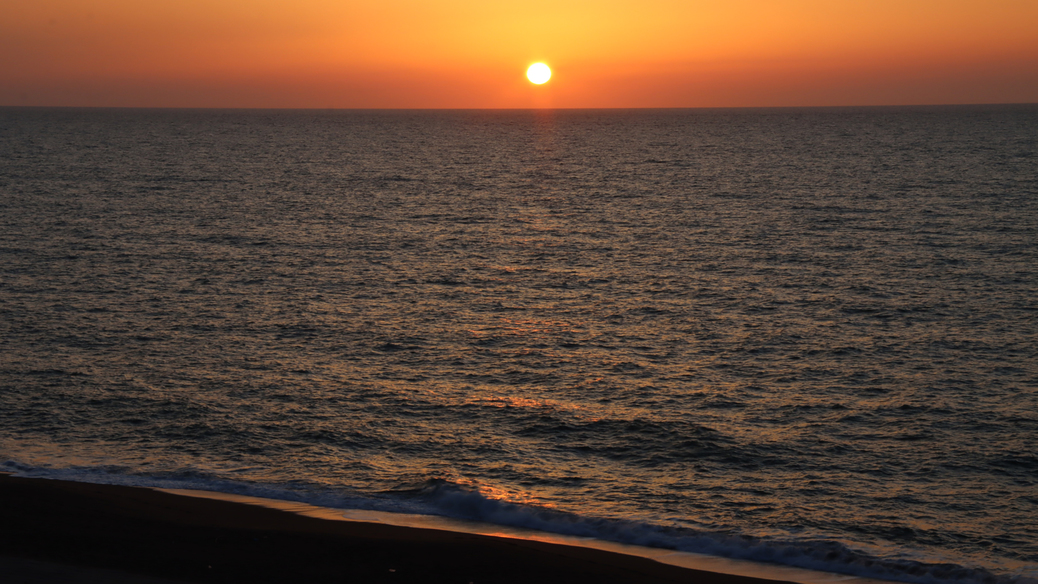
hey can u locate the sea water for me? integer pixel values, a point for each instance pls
(802, 336)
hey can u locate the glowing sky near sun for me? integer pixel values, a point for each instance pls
(472, 53)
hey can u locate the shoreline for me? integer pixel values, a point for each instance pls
(147, 534)
(695, 561)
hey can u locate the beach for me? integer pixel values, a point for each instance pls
(80, 532)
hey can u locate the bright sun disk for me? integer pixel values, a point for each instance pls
(538, 73)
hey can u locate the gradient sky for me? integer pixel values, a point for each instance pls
(474, 53)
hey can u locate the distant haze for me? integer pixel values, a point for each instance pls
(473, 54)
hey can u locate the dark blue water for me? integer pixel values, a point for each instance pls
(807, 336)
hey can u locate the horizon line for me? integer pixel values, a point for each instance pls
(516, 109)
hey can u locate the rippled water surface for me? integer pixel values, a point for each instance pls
(807, 336)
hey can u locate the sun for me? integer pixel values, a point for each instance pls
(538, 73)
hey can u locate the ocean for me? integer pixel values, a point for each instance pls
(801, 336)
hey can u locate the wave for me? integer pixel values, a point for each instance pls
(442, 497)
(439, 497)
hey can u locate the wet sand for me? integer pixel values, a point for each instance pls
(58, 531)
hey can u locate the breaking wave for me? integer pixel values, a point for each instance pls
(439, 497)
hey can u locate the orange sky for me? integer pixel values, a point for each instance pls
(473, 53)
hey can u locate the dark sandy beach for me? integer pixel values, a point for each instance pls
(57, 531)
